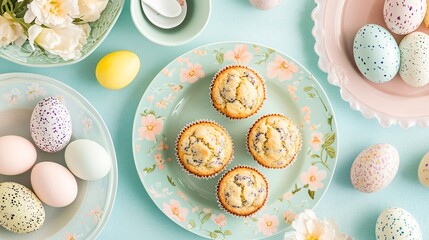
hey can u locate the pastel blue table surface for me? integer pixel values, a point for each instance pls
(286, 28)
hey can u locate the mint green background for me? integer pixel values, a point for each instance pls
(286, 28)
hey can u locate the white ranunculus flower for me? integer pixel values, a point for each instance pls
(90, 10)
(10, 31)
(66, 41)
(51, 12)
(308, 226)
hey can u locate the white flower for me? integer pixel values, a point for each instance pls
(90, 10)
(51, 12)
(308, 227)
(13, 96)
(10, 31)
(66, 42)
(34, 91)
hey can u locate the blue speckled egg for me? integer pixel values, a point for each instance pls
(415, 59)
(376, 53)
(398, 224)
(50, 125)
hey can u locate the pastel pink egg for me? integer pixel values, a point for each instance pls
(17, 155)
(265, 4)
(375, 168)
(54, 184)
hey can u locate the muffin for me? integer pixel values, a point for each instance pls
(204, 148)
(237, 91)
(242, 191)
(274, 141)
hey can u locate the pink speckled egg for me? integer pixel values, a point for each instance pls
(375, 168)
(404, 16)
(265, 4)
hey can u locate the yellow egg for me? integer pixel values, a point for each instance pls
(117, 69)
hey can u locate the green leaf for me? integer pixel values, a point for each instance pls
(170, 179)
(311, 194)
(311, 95)
(331, 151)
(254, 219)
(330, 120)
(217, 231)
(329, 139)
(315, 156)
(192, 223)
(305, 186)
(213, 235)
(227, 232)
(150, 169)
(206, 218)
(308, 89)
(270, 50)
(219, 57)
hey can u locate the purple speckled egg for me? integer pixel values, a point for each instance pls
(50, 125)
(375, 168)
(404, 16)
(265, 4)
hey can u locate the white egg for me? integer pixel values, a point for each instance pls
(375, 168)
(20, 209)
(414, 68)
(398, 224)
(404, 16)
(423, 171)
(265, 4)
(87, 159)
(376, 53)
(50, 125)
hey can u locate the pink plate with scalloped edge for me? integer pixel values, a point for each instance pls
(336, 24)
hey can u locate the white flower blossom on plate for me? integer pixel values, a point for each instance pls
(10, 31)
(308, 227)
(66, 42)
(13, 96)
(51, 12)
(90, 10)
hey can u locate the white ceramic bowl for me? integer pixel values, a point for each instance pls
(196, 20)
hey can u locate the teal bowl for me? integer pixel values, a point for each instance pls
(24, 55)
(197, 17)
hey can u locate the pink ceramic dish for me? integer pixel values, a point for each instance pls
(336, 24)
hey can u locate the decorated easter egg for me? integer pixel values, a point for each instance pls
(426, 19)
(376, 53)
(20, 209)
(17, 155)
(398, 224)
(414, 68)
(87, 159)
(117, 69)
(423, 171)
(404, 16)
(54, 184)
(265, 4)
(50, 125)
(374, 168)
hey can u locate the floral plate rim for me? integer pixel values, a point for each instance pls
(330, 119)
(113, 183)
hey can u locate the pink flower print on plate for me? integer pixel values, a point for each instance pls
(192, 73)
(240, 54)
(316, 140)
(281, 68)
(268, 224)
(150, 127)
(313, 178)
(220, 219)
(175, 211)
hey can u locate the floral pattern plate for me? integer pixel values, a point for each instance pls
(179, 94)
(87, 215)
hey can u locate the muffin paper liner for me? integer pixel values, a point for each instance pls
(261, 164)
(234, 214)
(177, 148)
(232, 66)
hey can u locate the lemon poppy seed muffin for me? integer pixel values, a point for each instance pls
(274, 141)
(242, 191)
(204, 148)
(237, 91)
